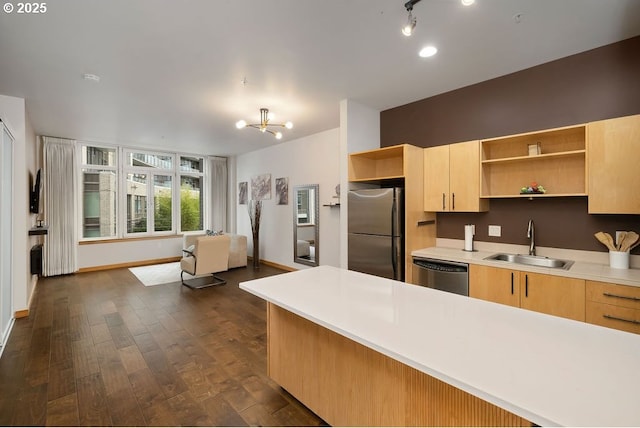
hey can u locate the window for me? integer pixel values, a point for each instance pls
(136, 203)
(162, 203)
(161, 193)
(191, 200)
(99, 192)
(150, 178)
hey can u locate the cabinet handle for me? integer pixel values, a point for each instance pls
(621, 297)
(512, 283)
(453, 201)
(611, 317)
(526, 286)
(443, 201)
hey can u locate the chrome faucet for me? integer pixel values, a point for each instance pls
(531, 231)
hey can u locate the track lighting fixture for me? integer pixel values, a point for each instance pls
(408, 28)
(264, 124)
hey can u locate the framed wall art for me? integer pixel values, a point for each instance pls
(261, 187)
(282, 191)
(242, 193)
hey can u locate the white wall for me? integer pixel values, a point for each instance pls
(13, 113)
(359, 131)
(121, 252)
(309, 160)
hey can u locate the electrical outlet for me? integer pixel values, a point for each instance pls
(618, 232)
(495, 230)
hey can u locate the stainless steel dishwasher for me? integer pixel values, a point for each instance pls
(441, 275)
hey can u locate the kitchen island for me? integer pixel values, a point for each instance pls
(362, 350)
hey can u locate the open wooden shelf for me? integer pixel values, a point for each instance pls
(379, 164)
(533, 195)
(536, 158)
(560, 168)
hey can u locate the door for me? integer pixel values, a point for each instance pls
(553, 295)
(464, 177)
(495, 285)
(6, 237)
(436, 178)
(376, 255)
(374, 212)
(613, 165)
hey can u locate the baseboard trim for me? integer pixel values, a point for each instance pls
(277, 265)
(130, 264)
(21, 314)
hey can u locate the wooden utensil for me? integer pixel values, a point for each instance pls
(630, 240)
(606, 239)
(620, 240)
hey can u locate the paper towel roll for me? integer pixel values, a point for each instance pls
(468, 237)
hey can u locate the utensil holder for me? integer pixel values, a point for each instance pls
(619, 259)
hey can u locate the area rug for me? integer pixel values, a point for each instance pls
(158, 274)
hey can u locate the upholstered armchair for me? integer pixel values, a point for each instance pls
(209, 255)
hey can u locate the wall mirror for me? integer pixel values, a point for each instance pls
(306, 226)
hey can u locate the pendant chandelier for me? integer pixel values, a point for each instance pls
(265, 124)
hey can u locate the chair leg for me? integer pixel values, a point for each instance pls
(219, 281)
(192, 283)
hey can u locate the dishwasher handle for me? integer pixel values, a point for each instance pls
(442, 266)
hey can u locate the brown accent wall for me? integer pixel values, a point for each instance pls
(593, 85)
(598, 84)
(559, 223)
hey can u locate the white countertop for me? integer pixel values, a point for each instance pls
(580, 269)
(549, 370)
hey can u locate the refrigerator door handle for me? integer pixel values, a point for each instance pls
(394, 233)
(394, 258)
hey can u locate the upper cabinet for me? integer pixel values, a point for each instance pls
(614, 157)
(555, 159)
(378, 164)
(452, 178)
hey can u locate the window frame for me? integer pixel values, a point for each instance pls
(151, 173)
(81, 167)
(122, 169)
(203, 186)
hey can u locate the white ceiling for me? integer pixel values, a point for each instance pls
(171, 71)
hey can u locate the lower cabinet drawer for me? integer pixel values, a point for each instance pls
(612, 316)
(614, 294)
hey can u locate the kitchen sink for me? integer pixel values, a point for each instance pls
(524, 259)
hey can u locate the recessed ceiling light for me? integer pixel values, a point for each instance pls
(428, 51)
(92, 77)
(467, 2)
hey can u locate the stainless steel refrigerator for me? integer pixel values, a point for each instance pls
(376, 225)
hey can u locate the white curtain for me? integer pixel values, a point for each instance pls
(60, 202)
(217, 181)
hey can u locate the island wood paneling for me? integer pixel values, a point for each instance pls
(348, 384)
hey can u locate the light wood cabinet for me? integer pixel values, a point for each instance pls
(436, 178)
(614, 156)
(553, 295)
(495, 284)
(613, 305)
(560, 167)
(402, 162)
(452, 178)
(549, 294)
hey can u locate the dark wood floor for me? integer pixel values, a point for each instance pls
(102, 349)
